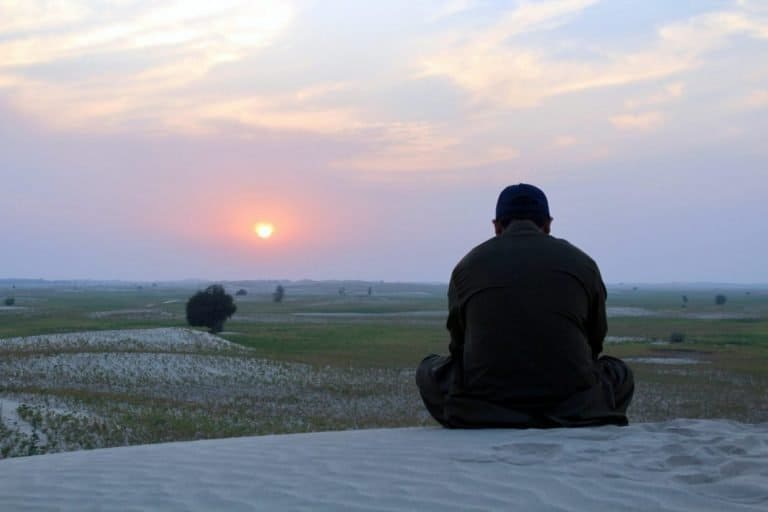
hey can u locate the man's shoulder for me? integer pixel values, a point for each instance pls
(479, 251)
(493, 246)
(576, 251)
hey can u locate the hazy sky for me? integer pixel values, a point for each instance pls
(144, 142)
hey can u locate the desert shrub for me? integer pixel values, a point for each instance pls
(278, 294)
(210, 308)
(677, 337)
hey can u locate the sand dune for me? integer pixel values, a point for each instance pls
(679, 465)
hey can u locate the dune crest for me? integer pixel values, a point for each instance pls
(670, 466)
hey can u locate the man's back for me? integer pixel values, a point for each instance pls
(527, 322)
(529, 310)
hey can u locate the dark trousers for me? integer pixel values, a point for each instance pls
(604, 404)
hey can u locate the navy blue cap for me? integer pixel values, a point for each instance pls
(522, 201)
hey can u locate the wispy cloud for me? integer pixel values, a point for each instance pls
(173, 53)
(643, 121)
(564, 141)
(755, 100)
(452, 7)
(174, 45)
(20, 15)
(667, 94)
(398, 147)
(494, 68)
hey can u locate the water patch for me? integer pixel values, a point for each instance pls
(665, 360)
(352, 314)
(629, 311)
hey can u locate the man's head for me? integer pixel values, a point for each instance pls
(522, 202)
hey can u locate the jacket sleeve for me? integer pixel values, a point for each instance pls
(455, 323)
(597, 323)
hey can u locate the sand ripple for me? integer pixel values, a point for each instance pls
(679, 465)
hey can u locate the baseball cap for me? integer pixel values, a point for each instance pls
(522, 201)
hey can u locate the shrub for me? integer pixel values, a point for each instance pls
(677, 337)
(279, 293)
(9, 301)
(720, 299)
(241, 292)
(210, 308)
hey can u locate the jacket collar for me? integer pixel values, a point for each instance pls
(520, 227)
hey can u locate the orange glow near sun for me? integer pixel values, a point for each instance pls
(264, 230)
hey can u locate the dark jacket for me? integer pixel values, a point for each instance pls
(527, 321)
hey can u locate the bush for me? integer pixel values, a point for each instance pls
(241, 292)
(720, 299)
(677, 337)
(279, 293)
(9, 301)
(210, 308)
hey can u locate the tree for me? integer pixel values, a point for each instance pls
(210, 308)
(241, 292)
(677, 337)
(720, 299)
(9, 301)
(278, 294)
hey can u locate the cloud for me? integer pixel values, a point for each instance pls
(755, 100)
(175, 46)
(399, 147)
(564, 141)
(494, 67)
(643, 121)
(451, 8)
(669, 93)
(225, 29)
(20, 15)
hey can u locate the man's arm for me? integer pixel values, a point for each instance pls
(455, 323)
(597, 324)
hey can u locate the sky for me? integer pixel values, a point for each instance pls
(143, 140)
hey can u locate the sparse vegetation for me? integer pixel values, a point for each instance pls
(321, 361)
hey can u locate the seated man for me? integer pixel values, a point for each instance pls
(527, 321)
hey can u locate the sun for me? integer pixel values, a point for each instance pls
(264, 230)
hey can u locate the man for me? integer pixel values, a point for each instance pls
(527, 321)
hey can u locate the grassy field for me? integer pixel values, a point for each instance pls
(330, 356)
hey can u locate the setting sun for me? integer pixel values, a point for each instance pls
(264, 230)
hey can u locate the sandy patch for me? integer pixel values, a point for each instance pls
(669, 466)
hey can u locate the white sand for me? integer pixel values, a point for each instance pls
(682, 465)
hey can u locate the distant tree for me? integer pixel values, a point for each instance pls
(9, 301)
(278, 294)
(241, 292)
(720, 299)
(210, 308)
(342, 291)
(677, 337)
(370, 291)
(685, 299)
